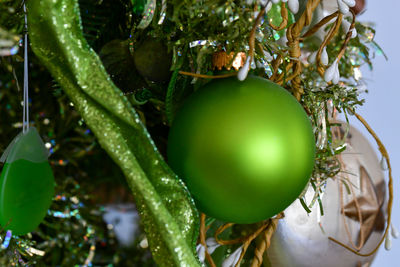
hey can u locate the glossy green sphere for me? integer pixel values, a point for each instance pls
(245, 150)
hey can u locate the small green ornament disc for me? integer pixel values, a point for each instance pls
(274, 17)
(244, 149)
(138, 6)
(26, 183)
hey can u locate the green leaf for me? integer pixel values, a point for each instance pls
(167, 210)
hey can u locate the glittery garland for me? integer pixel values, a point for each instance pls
(168, 213)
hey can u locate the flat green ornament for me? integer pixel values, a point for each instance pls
(274, 17)
(138, 6)
(26, 183)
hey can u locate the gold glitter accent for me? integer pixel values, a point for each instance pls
(222, 59)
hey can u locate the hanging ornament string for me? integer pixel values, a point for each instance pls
(25, 116)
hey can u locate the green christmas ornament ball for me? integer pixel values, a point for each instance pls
(244, 149)
(152, 60)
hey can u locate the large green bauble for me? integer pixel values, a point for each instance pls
(244, 149)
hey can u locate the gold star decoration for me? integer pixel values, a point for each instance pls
(370, 202)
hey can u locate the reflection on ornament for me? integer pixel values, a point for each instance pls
(354, 213)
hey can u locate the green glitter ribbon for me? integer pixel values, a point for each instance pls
(167, 210)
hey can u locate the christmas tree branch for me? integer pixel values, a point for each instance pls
(170, 218)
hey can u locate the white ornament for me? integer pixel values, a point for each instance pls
(395, 232)
(249, 2)
(293, 6)
(300, 233)
(267, 56)
(268, 7)
(350, 3)
(201, 252)
(253, 64)
(144, 243)
(388, 243)
(346, 26)
(312, 57)
(233, 259)
(242, 73)
(336, 76)
(124, 220)
(264, 2)
(212, 245)
(332, 73)
(343, 7)
(283, 40)
(324, 57)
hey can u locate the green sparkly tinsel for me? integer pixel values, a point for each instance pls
(168, 213)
